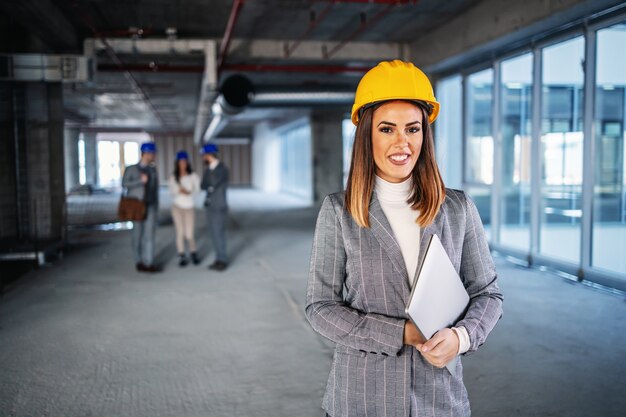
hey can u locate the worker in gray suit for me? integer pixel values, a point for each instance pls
(142, 182)
(214, 182)
(369, 241)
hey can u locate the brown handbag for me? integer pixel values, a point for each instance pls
(131, 209)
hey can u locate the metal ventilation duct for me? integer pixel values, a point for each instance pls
(236, 92)
(45, 68)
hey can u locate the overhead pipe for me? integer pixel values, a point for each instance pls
(316, 21)
(312, 25)
(329, 69)
(116, 59)
(236, 92)
(304, 98)
(232, 19)
(364, 25)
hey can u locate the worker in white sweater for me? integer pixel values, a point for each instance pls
(183, 184)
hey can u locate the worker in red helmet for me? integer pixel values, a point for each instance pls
(366, 251)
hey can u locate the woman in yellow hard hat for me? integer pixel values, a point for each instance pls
(367, 247)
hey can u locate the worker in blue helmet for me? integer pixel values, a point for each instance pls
(214, 182)
(183, 185)
(141, 181)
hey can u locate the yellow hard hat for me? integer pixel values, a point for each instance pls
(394, 80)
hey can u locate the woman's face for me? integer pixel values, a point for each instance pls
(182, 166)
(396, 139)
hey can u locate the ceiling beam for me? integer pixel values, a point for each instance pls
(245, 50)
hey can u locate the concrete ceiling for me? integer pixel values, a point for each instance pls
(281, 45)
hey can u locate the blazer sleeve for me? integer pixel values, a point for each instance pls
(480, 278)
(206, 181)
(221, 177)
(132, 177)
(325, 307)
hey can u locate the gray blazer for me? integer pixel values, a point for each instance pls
(137, 189)
(214, 182)
(357, 291)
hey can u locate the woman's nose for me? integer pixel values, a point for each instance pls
(401, 138)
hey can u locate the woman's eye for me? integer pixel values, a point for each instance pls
(385, 129)
(413, 130)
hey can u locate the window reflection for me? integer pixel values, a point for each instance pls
(609, 220)
(479, 142)
(516, 99)
(562, 149)
(296, 172)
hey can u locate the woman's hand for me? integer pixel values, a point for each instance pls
(441, 348)
(183, 190)
(412, 336)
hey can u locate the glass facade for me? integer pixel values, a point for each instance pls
(296, 170)
(109, 174)
(347, 132)
(515, 124)
(609, 195)
(544, 152)
(562, 149)
(447, 131)
(479, 142)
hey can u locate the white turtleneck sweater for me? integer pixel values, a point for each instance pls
(402, 219)
(393, 200)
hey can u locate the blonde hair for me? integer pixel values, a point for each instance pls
(428, 191)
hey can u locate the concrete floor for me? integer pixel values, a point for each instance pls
(89, 336)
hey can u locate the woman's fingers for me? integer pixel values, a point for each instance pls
(441, 348)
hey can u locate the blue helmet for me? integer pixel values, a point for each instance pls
(148, 147)
(182, 155)
(209, 148)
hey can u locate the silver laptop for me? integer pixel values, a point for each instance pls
(438, 299)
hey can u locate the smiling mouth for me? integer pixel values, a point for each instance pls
(399, 159)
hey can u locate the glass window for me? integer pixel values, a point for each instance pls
(448, 131)
(516, 99)
(479, 142)
(609, 213)
(296, 167)
(82, 172)
(109, 163)
(562, 149)
(348, 131)
(131, 153)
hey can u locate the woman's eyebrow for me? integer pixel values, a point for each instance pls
(393, 124)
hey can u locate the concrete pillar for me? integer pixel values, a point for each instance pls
(44, 154)
(327, 143)
(70, 150)
(91, 158)
(9, 219)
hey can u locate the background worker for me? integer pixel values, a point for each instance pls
(215, 182)
(183, 185)
(142, 182)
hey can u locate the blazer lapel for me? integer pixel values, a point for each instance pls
(380, 227)
(435, 228)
